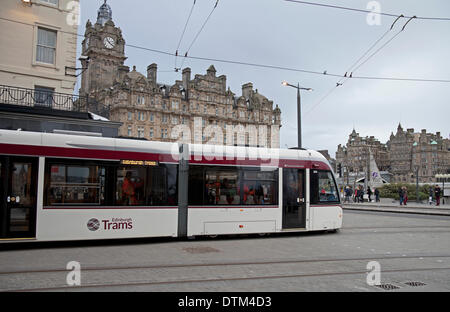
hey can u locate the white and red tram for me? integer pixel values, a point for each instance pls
(59, 187)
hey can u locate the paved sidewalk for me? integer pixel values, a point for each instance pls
(390, 205)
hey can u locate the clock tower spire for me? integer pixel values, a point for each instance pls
(103, 53)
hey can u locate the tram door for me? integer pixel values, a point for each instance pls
(18, 191)
(294, 198)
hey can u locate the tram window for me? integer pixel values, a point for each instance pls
(130, 190)
(75, 184)
(154, 186)
(196, 188)
(222, 186)
(327, 191)
(259, 188)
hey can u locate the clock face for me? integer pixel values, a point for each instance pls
(109, 42)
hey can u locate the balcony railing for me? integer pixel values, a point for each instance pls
(43, 98)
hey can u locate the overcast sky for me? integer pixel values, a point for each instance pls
(298, 36)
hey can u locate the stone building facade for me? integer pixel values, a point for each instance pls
(406, 155)
(354, 156)
(38, 45)
(199, 109)
(423, 153)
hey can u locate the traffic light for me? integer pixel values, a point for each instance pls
(339, 170)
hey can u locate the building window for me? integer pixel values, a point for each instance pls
(141, 116)
(43, 96)
(152, 117)
(46, 46)
(175, 105)
(164, 133)
(140, 132)
(140, 100)
(164, 118)
(130, 116)
(151, 133)
(130, 131)
(175, 120)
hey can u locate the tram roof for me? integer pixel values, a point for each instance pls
(132, 145)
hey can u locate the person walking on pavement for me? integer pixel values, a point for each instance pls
(377, 195)
(348, 193)
(369, 192)
(361, 194)
(430, 194)
(437, 194)
(405, 195)
(400, 194)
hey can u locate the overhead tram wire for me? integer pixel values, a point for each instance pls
(366, 11)
(353, 68)
(182, 35)
(198, 33)
(350, 69)
(275, 67)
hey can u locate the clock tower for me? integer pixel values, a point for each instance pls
(103, 53)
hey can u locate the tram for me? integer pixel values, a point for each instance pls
(63, 187)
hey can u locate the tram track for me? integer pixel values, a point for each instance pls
(243, 263)
(395, 230)
(252, 264)
(222, 279)
(395, 227)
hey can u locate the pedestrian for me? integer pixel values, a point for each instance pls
(361, 194)
(430, 194)
(377, 195)
(405, 195)
(348, 193)
(400, 194)
(356, 199)
(369, 192)
(437, 194)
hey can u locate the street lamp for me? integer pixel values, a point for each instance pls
(299, 116)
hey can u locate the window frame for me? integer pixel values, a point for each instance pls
(240, 185)
(75, 163)
(314, 188)
(109, 188)
(36, 45)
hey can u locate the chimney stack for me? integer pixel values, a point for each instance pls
(186, 77)
(151, 72)
(247, 90)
